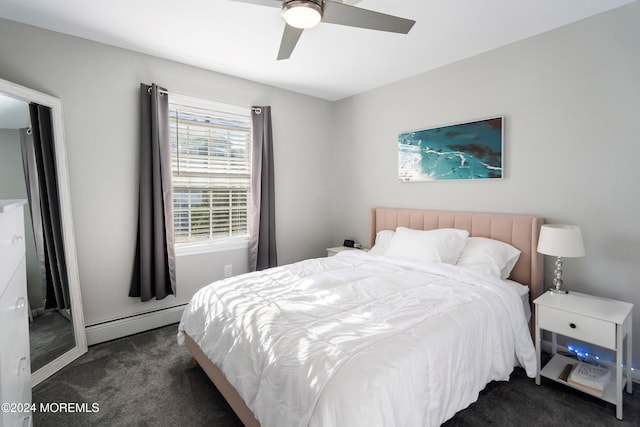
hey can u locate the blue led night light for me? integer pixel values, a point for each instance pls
(582, 353)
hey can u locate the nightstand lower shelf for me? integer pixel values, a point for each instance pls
(557, 363)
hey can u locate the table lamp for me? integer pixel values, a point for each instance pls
(560, 240)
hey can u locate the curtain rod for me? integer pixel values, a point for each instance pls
(257, 110)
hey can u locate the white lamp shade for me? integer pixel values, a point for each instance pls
(561, 240)
(302, 14)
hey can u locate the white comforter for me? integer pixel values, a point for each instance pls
(360, 340)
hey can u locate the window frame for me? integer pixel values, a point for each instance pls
(215, 109)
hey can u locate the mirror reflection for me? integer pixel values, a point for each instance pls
(28, 171)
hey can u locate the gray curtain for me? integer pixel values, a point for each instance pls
(33, 194)
(154, 273)
(262, 224)
(57, 285)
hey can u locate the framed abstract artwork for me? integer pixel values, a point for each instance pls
(471, 150)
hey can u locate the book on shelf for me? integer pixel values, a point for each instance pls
(564, 374)
(589, 377)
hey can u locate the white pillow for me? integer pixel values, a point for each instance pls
(489, 256)
(383, 238)
(442, 245)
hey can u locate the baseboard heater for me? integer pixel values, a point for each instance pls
(121, 327)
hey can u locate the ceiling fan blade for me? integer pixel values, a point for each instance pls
(290, 38)
(272, 3)
(342, 14)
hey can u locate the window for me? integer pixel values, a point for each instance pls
(211, 164)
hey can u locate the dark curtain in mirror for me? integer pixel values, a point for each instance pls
(33, 194)
(42, 190)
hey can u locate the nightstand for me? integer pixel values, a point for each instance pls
(600, 321)
(333, 251)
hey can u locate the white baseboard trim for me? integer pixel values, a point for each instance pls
(119, 328)
(635, 373)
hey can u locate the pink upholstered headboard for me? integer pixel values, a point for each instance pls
(521, 231)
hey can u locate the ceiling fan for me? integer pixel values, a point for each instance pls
(301, 14)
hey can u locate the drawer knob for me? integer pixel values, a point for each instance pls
(20, 303)
(573, 325)
(17, 239)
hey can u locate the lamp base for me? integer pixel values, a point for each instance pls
(557, 281)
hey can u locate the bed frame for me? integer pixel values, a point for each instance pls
(220, 381)
(520, 231)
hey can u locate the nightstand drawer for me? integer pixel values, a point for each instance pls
(584, 328)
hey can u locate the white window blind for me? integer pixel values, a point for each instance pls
(211, 163)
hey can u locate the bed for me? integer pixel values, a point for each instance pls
(380, 338)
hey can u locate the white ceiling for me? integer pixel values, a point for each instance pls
(330, 61)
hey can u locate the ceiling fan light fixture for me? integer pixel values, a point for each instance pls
(302, 13)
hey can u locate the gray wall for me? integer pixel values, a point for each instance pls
(12, 186)
(11, 176)
(98, 86)
(571, 101)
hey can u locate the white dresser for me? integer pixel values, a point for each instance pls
(15, 370)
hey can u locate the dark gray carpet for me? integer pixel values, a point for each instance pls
(148, 380)
(50, 336)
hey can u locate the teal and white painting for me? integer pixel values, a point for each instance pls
(470, 150)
